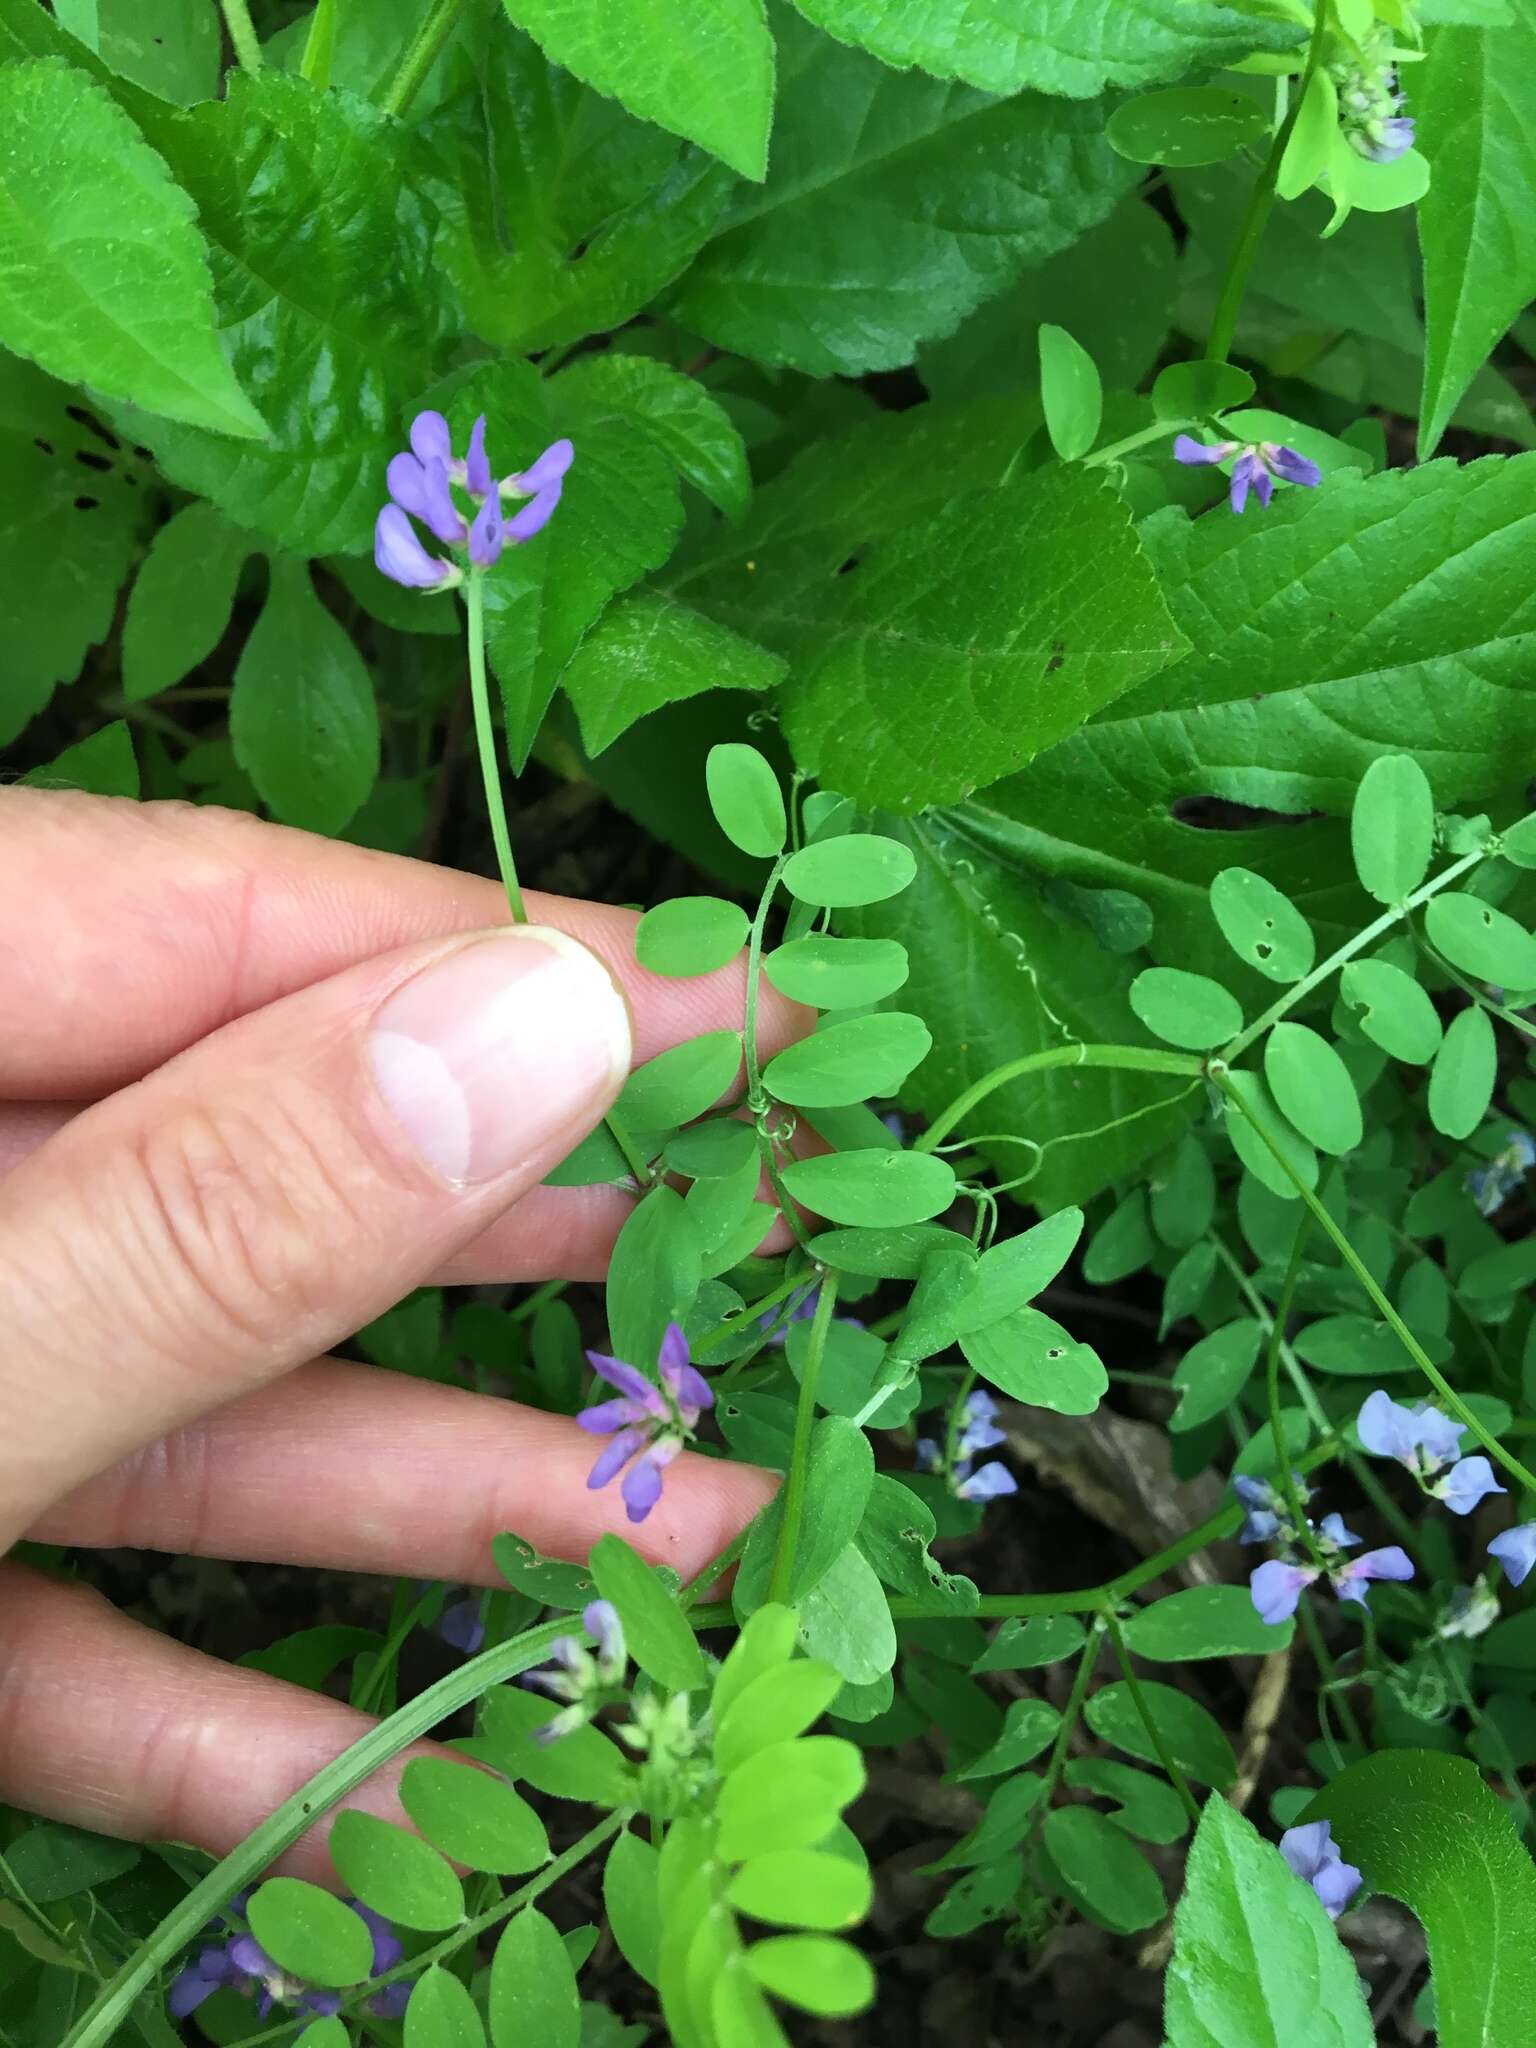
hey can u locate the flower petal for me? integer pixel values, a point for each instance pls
(642, 1487)
(487, 534)
(478, 480)
(535, 515)
(1295, 467)
(399, 554)
(614, 1457)
(431, 437)
(1186, 449)
(1469, 1481)
(629, 1382)
(608, 1416)
(548, 468)
(1516, 1551)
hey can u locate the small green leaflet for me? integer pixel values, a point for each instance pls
(1256, 1963)
(1392, 827)
(1103, 1872)
(690, 935)
(1070, 391)
(655, 1629)
(181, 599)
(1189, 124)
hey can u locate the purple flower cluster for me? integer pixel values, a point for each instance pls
(240, 1963)
(648, 1424)
(1268, 1519)
(1258, 464)
(1314, 1856)
(979, 1432)
(1490, 1186)
(581, 1681)
(1427, 1444)
(1277, 1586)
(422, 484)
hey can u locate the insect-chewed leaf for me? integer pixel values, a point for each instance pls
(1262, 926)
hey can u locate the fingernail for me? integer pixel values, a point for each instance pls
(501, 1051)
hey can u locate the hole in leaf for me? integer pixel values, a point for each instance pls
(1221, 814)
(39, 442)
(84, 418)
(86, 504)
(91, 460)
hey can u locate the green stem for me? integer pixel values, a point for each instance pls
(1262, 198)
(421, 54)
(1484, 1001)
(758, 1101)
(805, 1417)
(1296, 1507)
(1175, 1776)
(1426, 1365)
(1071, 1711)
(1087, 1599)
(1116, 449)
(319, 46)
(485, 744)
(956, 1415)
(722, 1561)
(1378, 927)
(501, 838)
(1332, 1693)
(1140, 1059)
(237, 19)
(281, 1829)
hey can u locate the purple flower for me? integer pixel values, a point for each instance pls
(648, 1424)
(1349, 1581)
(1277, 1588)
(1269, 1517)
(1421, 1439)
(422, 483)
(1491, 1185)
(461, 1627)
(1516, 1551)
(581, 1681)
(243, 1965)
(398, 554)
(988, 1482)
(1314, 1856)
(1258, 464)
(980, 1432)
(1385, 141)
(1469, 1481)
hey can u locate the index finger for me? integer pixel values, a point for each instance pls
(131, 931)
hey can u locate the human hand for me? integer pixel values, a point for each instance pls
(254, 1087)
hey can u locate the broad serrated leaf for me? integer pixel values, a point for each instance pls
(302, 715)
(647, 650)
(66, 537)
(560, 214)
(1023, 612)
(1073, 47)
(103, 275)
(873, 232)
(321, 253)
(706, 73)
(1256, 1961)
(1477, 96)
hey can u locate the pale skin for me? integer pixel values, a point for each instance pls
(211, 1173)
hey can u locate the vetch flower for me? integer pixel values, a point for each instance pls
(1516, 1551)
(1268, 1519)
(1422, 1439)
(1277, 1587)
(649, 1424)
(1350, 1580)
(422, 483)
(1426, 1442)
(1258, 464)
(1490, 1186)
(461, 1627)
(978, 1432)
(1371, 116)
(583, 1681)
(1314, 1856)
(243, 1965)
(1469, 1481)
